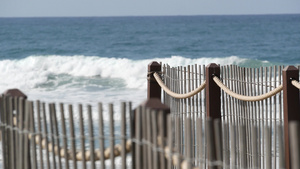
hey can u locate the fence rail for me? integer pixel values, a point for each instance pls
(200, 125)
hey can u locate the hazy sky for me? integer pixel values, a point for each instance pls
(25, 8)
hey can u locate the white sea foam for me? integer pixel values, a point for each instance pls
(87, 79)
(31, 71)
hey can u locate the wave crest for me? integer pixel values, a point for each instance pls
(32, 71)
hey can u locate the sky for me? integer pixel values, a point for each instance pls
(69, 8)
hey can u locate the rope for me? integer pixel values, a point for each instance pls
(246, 98)
(176, 95)
(79, 155)
(296, 83)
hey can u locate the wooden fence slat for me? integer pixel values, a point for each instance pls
(178, 144)
(40, 135)
(3, 132)
(280, 96)
(164, 72)
(170, 141)
(16, 108)
(112, 135)
(64, 132)
(57, 149)
(154, 138)
(248, 111)
(123, 134)
(242, 145)
(228, 99)
(26, 141)
(91, 137)
(138, 127)
(196, 97)
(188, 142)
(193, 115)
(260, 114)
(162, 135)
(149, 137)
(7, 132)
(101, 135)
(52, 135)
(33, 136)
(254, 146)
(182, 111)
(82, 137)
(265, 122)
(72, 135)
(11, 142)
(143, 136)
(280, 147)
(232, 145)
(275, 118)
(269, 114)
(233, 84)
(200, 142)
(226, 157)
(45, 135)
(268, 156)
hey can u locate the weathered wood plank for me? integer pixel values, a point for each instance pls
(64, 132)
(52, 135)
(91, 137)
(101, 135)
(112, 135)
(40, 136)
(72, 135)
(33, 136)
(82, 137)
(45, 135)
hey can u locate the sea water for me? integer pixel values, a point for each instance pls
(104, 59)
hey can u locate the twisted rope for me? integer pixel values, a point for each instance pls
(59, 150)
(296, 83)
(177, 95)
(246, 98)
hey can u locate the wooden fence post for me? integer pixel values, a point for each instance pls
(213, 101)
(213, 92)
(154, 90)
(16, 93)
(290, 105)
(153, 104)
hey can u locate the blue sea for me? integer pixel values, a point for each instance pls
(104, 59)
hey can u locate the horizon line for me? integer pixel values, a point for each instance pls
(120, 16)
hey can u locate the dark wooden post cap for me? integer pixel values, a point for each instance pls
(214, 69)
(14, 93)
(290, 67)
(154, 66)
(155, 104)
(153, 89)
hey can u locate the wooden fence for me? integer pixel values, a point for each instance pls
(40, 135)
(210, 129)
(253, 131)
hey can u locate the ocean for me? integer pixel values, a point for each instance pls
(104, 59)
